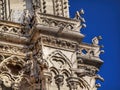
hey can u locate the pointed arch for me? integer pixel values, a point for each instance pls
(59, 56)
(6, 78)
(12, 64)
(14, 58)
(84, 84)
(54, 70)
(66, 72)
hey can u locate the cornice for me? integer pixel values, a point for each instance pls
(58, 43)
(12, 49)
(12, 32)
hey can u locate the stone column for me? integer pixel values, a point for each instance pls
(73, 83)
(16, 86)
(0, 85)
(59, 80)
(46, 80)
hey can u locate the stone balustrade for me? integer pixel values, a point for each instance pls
(6, 27)
(89, 51)
(57, 21)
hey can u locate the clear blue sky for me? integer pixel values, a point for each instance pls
(103, 18)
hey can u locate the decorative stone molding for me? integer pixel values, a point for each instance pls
(73, 83)
(11, 49)
(44, 6)
(13, 32)
(9, 64)
(53, 7)
(87, 52)
(3, 13)
(59, 58)
(90, 50)
(59, 80)
(86, 70)
(4, 28)
(12, 71)
(58, 43)
(56, 22)
(45, 51)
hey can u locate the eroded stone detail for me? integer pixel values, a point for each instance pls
(52, 41)
(44, 49)
(9, 29)
(9, 49)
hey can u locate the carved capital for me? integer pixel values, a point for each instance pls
(59, 80)
(47, 75)
(73, 83)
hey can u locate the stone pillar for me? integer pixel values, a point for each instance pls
(73, 83)
(0, 85)
(16, 86)
(59, 80)
(46, 80)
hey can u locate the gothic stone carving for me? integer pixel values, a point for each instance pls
(95, 42)
(58, 43)
(49, 20)
(9, 29)
(69, 63)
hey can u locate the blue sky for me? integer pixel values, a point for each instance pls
(103, 18)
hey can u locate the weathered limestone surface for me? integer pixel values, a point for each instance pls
(41, 47)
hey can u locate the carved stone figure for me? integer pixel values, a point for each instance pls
(95, 40)
(78, 15)
(97, 50)
(27, 18)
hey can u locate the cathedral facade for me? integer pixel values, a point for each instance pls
(42, 48)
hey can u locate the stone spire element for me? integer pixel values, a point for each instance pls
(54, 7)
(3, 10)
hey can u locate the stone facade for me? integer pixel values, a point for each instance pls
(41, 47)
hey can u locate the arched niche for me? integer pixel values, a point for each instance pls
(9, 82)
(59, 65)
(59, 60)
(11, 68)
(12, 64)
(66, 74)
(54, 72)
